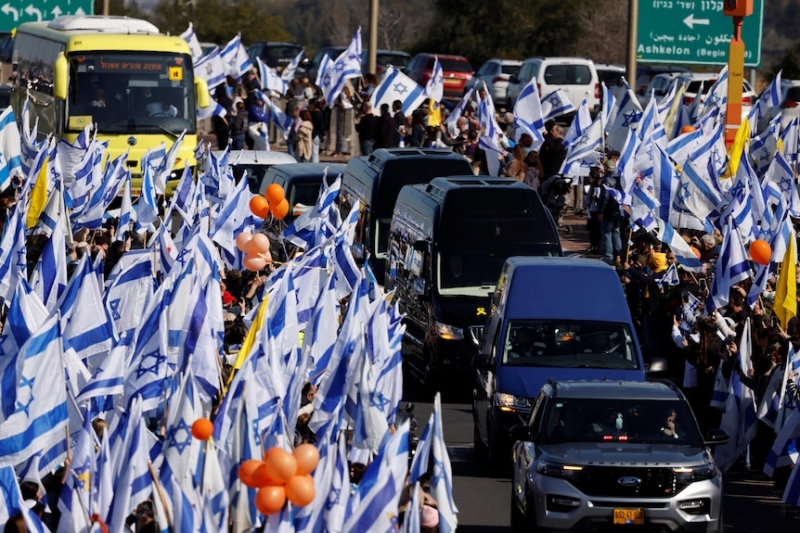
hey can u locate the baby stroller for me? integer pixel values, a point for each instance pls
(554, 192)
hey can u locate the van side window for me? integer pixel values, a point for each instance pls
(583, 76)
(556, 75)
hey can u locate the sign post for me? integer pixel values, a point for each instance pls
(694, 32)
(15, 12)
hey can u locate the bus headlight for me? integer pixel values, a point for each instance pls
(448, 332)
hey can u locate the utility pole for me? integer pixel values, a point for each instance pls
(106, 7)
(633, 20)
(373, 36)
(737, 10)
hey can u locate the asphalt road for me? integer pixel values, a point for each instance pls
(750, 502)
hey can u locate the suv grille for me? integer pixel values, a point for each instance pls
(603, 481)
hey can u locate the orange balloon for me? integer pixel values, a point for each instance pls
(242, 239)
(202, 428)
(259, 243)
(307, 456)
(275, 194)
(254, 263)
(258, 204)
(300, 490)
(270, 499)
(281, 209)
(247, 470)
(281, 465)
(261, 478)
(761, 252)
(688, 129)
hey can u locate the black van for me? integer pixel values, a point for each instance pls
(448, 241)
(375, 182)
(301, 183)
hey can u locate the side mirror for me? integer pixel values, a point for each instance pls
(521, 432)
(716, 436)
(61, 77)
(657, 365)
(480, 361)
(201, 89)
(420, 246)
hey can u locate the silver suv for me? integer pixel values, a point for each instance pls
(598, 454)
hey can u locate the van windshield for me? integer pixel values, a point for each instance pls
(462, 269)
(570, 344)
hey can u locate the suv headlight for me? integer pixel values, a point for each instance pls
(448, 332)
(511, 404)
(568, 472)
(686, 475)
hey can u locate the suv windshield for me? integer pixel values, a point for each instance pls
(569, 344)
(611, 420)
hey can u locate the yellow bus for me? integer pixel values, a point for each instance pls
(134, 85)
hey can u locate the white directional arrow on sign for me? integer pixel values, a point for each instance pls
(8, 10)
(30, 10)
(691, 21)
(56, 11)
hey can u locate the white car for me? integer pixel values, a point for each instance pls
(788, 108)
(702, 83)
(575, 75)
(495, 73)
(659, 87)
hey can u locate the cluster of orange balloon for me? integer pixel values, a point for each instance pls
(202, 428)
(281, 476)
(256, 248)
(275, 203)
(761, 251)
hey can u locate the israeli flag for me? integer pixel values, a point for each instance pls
(346, 66)
(555, 104)
(397, 86)
(789, 137)
(11, 159)
(732, 267)
(434, 89)
(289, 70)
(235, 60)
(270, 79)
(580, 124)
(695, 195)
(683, 252)
(528, 115)
(583, 154)
(769, 98)
(194, 43)
(211, 68)
(26, 314)
(626, 114)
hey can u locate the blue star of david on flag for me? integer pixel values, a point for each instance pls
(377, 399)
(333, 498)
(175, 432)
(554, 100)
(684, 193)
(400, 88)
(182, 256)
(114, 306)
(630, 117)
(157, 360)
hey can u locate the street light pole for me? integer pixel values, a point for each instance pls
(633, 20)
(373, 36)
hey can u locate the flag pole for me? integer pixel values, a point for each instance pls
(160, 492)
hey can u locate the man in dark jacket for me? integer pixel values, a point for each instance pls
(367, 128)
(399, 117)
(553, 151)
(318, 136)
(388, 137)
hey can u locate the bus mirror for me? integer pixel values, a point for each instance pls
(61, 77)
(201, 88)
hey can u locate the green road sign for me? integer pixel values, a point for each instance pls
(15, 12)
(694, 31)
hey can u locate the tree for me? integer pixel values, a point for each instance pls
(788, 65)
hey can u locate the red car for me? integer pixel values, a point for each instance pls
(456, 70)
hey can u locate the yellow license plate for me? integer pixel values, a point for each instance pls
(136, 192)
(452, 81)
(629, 516)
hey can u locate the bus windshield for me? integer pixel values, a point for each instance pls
(126, 92)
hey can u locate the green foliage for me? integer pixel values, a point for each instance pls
(481, 30)
(789, 64)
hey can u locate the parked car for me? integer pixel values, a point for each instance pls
(645, 73)
(383, 58)
(701, 84)
(312, 67)
(612, 75)
(594, 455)
(576, 76)
(275, 54)
(495, 73)
(455, 69)
(659, 86)
(554, 327)
(789, 106)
